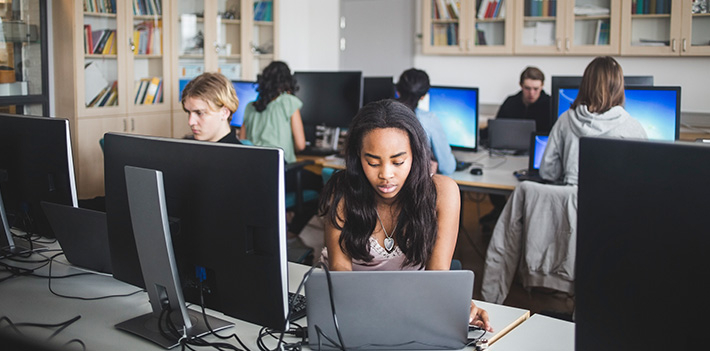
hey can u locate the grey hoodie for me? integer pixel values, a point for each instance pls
(560, 161)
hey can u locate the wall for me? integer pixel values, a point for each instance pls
(309, 39)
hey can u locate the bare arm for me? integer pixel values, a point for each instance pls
(299, 136)
(448, 205)
(243, 132)
(337, 259)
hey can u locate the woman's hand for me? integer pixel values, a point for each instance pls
(479, 318)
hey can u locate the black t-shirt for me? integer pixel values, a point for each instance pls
(230, 138)
(513, 107)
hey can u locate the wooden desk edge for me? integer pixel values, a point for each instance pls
(510, 327)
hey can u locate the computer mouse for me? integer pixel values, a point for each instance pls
(476, 171)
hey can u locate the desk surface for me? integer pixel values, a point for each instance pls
(539, 333)
(497, 174)
(28, 299)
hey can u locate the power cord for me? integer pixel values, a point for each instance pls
(60, 327)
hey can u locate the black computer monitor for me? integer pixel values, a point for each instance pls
(376, 89)
(246, 92)
(574, 81)
(642, 245)
(457, 109)
(656, 108)
(329, 98)
(36, 164)
(233, 231)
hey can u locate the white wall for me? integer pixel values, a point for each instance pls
(309, 41)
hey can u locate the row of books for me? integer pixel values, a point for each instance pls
(444, 35)
(446, 9)
(100, 6)
(602, 34)
(647, 7)
(107, 97)
(147, 38)
(263, 11)
(491, 9)
(541, 8)
(148, 91)
(102, 42)
(147, 7)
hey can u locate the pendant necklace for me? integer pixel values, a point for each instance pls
(389, 241)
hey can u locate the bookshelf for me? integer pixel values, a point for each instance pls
(671, 28)
(238, 39)
(103, 51)
(556, 27)
(467, 27)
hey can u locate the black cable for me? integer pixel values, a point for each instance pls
(61, 326)
(50, 277)
(209, 327)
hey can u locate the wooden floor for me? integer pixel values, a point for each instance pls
(471, 250)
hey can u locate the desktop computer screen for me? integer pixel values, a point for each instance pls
(457, 109)
(36, 164)
(376, 89)
(642, 244)
(574, 82)
(538, 149)
(246, 92)
(656, 108)
(329, 98)
(231, 235)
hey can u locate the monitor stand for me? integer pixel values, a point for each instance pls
(151, 229)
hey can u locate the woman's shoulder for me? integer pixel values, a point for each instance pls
(445, 186)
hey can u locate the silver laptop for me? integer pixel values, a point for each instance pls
(390, 310)
(510, 135)
(82, 235)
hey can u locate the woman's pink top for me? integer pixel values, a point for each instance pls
(381, 261)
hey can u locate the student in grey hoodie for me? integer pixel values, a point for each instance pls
(597, 111)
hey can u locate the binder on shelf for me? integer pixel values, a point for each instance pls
(94, 80)
(151, 91)
(140, 94)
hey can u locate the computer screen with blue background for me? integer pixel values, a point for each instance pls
(540, 142)
(457, 109)
(246, 92)
(656, 108)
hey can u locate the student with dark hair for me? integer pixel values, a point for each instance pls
(386, 211)
(598, 110)
(274, 119)
(210, 101)
(412, 86)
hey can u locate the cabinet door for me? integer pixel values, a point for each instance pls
(444, 29)
(101, 73)
(593, 27)
(89, 156)
(539, 26)
(260, 40)
(492, 32)
(648, 30)
(148, 66)
(696, 28)
(189, 56)
(228, 43)
(151, 124)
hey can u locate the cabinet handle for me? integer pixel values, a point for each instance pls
(567, 44)
(559, 43)
(133, 125)
(673, 45)
(131, 45)
(685, 45)
(216, 47)
(125, 126)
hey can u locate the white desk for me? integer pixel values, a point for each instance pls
(27, 299)
(497, 177)
(539, 333)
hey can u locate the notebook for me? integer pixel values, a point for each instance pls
(510, 135)
(82, 235)
(538, 142)
(390, 310)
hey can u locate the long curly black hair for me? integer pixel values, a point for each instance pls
(275, 80)
(416, 223)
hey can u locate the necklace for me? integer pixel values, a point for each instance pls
(389, 241)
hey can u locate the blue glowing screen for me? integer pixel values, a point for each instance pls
(457, 109)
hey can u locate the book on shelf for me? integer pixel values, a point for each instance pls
(109, 47)
(263, 10)
(94, 81)
(141, 91)
(152, 91)
(454, 7)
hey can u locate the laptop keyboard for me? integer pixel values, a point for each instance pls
(298, 307)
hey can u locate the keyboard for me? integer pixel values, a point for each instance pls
(298, 307)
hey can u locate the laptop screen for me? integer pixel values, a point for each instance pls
(538, 148)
